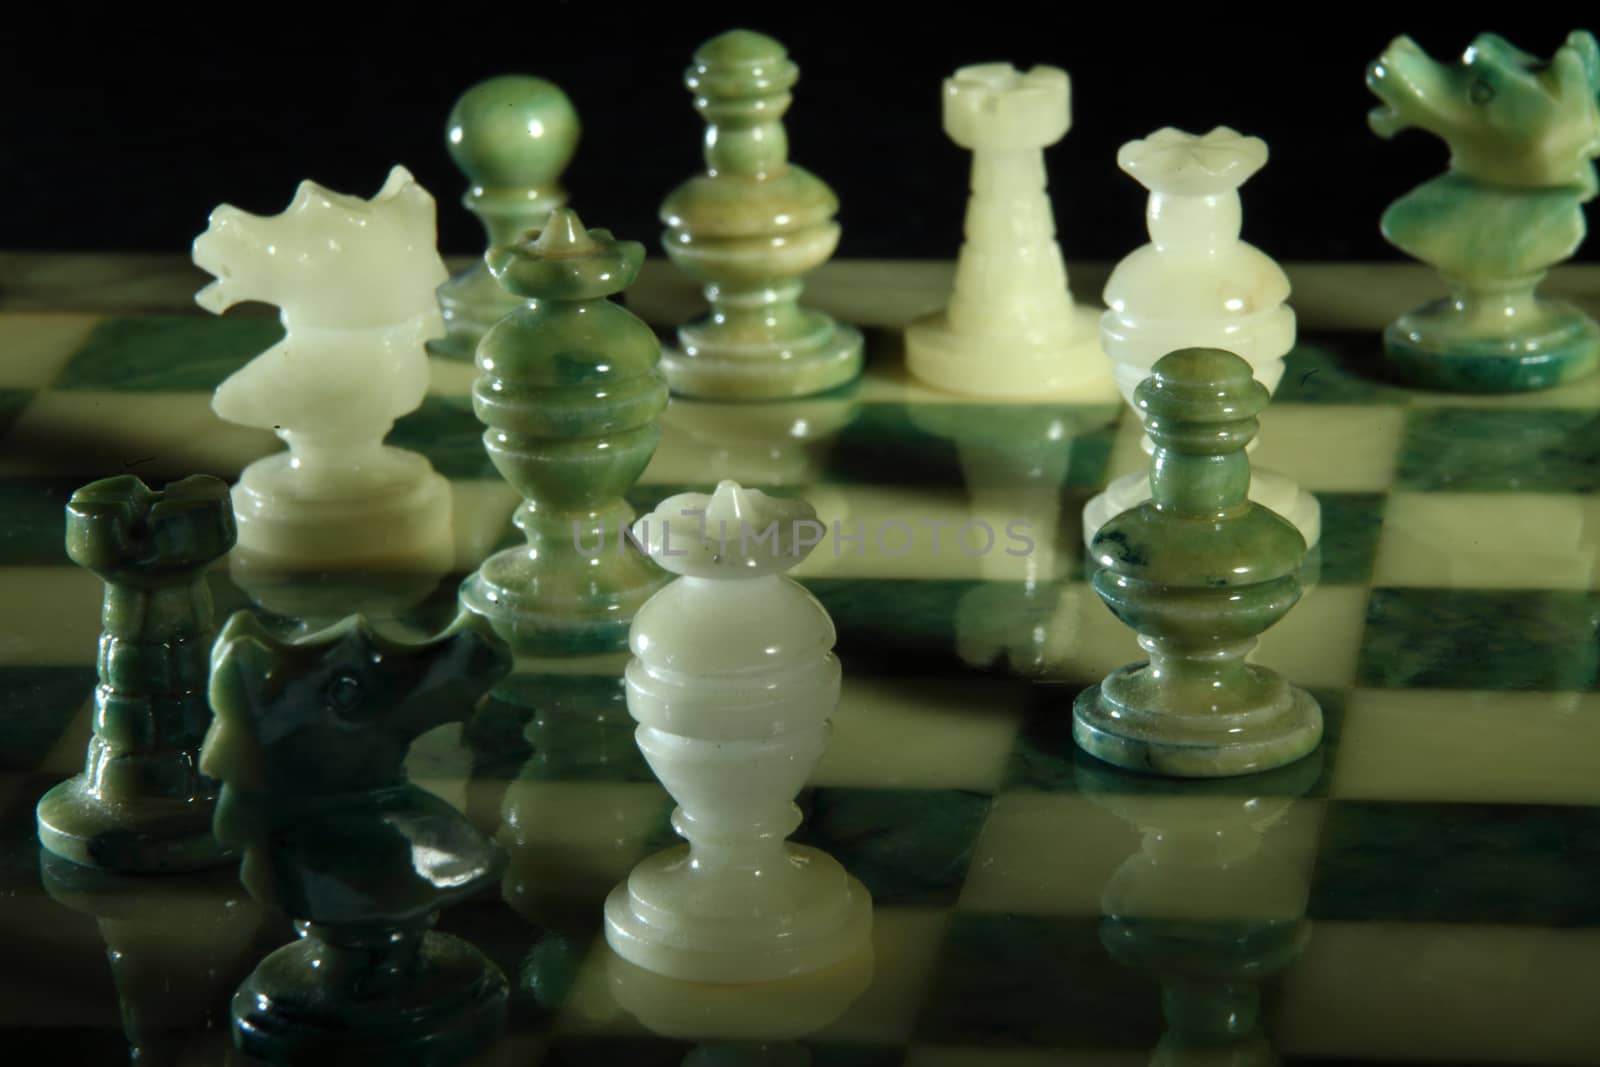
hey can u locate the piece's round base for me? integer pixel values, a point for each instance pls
(1068, 368)
(670, 935)
(1271, 490)
(561, 614)
(148, 836)
(1161, 744)
(707, 374)
(1424, 350)
(782, 1010)
(287, 1011)
(401, 521)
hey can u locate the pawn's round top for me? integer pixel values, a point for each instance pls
(1177, 163)
(741, 63)
(1201, 401)
(733, 533)
(512, 132)
(564, 261)
(994, 105)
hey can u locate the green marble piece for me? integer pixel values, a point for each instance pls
(511, 136)
(309, 742)
(1522, 132)
(1199, 571)
(142, 803)
(748, 229)
(570, 389)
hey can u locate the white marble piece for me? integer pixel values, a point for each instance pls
(1197, 285)
(355, 281)
(732, 682)
(1011, 328)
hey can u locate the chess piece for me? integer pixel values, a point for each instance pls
(355, 280)
(738, 1025)
(1199, 572)
(732, 682)
(1196, 285)
(1011, 328)
(1522, 133)
(309, 741)
(569, 389)
(142, 803)
(511, 137)
(748, 228)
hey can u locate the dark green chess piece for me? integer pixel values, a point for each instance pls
(142, 803)
(570, 389)
(511, 136)
(1522, 133)
(747, 229)
(1199, 571)
(309, 741)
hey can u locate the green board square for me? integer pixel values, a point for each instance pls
(1044, 981)
(953, 445)
(1468, 863)
(1525, 450)
(1045, 758)
(39, 704)
(1481, 639)
(898, 626)
(1351, 526)
(167, 353)
(35, 527)
(13, 402)
(446, 431)
(909, 847)
(1337, 368)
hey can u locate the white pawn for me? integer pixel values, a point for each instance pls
(355, 280)
(1011, 328)
(1196, 285)
(733, 681)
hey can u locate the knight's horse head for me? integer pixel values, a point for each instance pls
(326, 721)
(1509, 117)
(328, 259)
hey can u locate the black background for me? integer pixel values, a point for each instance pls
(124, 137)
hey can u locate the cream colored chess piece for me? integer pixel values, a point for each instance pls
(355, 280)
(733, 681)
(1196, 285)
(1011, 328)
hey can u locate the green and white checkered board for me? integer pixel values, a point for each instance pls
(1440, 857)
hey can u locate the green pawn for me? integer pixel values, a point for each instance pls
(748, 228)
(1199, 571)
(1522, 133)
(570, 389)
(141, 803)
(511, 136)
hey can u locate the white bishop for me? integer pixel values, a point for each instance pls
(732, 682)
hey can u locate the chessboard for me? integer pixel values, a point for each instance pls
(1426, 887)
